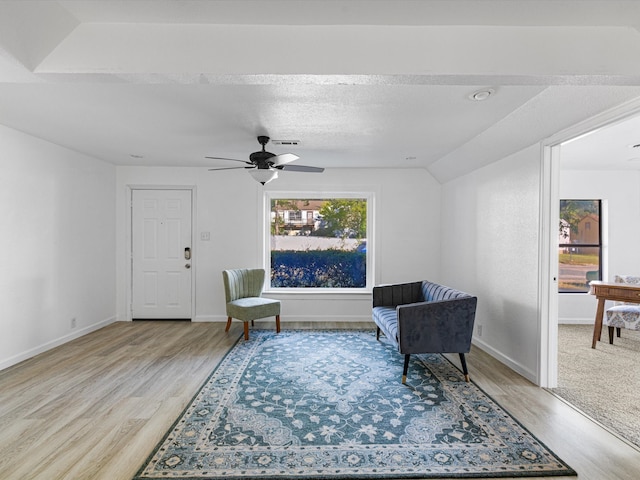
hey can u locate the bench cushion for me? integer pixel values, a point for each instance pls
(624, 316)
(250, 308)
(387, 319)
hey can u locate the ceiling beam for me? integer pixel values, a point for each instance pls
(437, 55)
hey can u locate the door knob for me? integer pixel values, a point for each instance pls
(188, 265)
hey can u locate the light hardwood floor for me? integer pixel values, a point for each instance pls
(95, 407)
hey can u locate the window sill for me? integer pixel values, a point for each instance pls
(317, 294)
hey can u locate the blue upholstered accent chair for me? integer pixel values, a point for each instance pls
(425, 317)
(243, 292)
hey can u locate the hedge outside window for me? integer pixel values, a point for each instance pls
(580, 245)
(319, 243)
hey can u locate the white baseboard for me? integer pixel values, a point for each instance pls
(8, 362)
(296, 318)
(576, 321)
(209, 318)
(509, 362)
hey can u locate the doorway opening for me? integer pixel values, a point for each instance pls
(598, 164)
(573, 167)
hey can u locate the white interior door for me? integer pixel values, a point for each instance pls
(161, 254)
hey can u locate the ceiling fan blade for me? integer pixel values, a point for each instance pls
(232, 159)
(283, 159)
(301, 168)
(230, 168)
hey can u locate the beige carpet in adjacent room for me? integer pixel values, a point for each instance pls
(603, 382)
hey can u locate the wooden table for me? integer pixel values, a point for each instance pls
(619, 292)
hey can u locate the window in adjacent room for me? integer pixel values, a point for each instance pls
(318, 242)
(580, 245)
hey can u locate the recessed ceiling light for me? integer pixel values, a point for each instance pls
(482, 95)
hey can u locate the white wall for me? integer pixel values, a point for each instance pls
(620, 191)
(228, 205)
(490, 245)
(57, 245)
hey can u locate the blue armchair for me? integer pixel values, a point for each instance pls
(425, 317)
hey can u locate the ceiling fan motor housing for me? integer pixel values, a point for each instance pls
(261, 159)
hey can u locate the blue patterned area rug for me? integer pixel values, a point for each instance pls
(330, 405)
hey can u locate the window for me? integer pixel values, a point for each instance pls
(580, 245)
(295, 215)
(319, 242)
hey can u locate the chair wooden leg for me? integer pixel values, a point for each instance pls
(246, 330)
(464, 367)
(228, 324)
(277, 323)
(405, 368)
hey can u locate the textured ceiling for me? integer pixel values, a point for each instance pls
(357, 83)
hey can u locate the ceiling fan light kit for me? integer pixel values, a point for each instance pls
(263, 175)
(264, 166)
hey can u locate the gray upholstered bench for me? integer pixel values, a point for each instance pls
(425, 317)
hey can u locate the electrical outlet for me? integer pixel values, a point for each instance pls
(479, 330)
(73, 322)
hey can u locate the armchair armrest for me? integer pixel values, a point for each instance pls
(444, 326)
(397, 294)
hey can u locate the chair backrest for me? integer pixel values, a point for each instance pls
(398, 294)
(628, 279)
(242, 283)
(632, 279)
(433, 292)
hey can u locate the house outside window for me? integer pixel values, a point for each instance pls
(318, 242)
(580, 245)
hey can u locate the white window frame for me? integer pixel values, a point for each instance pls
(602, 226)
(318, 195)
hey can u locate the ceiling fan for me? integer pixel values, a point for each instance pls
(264, 166)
